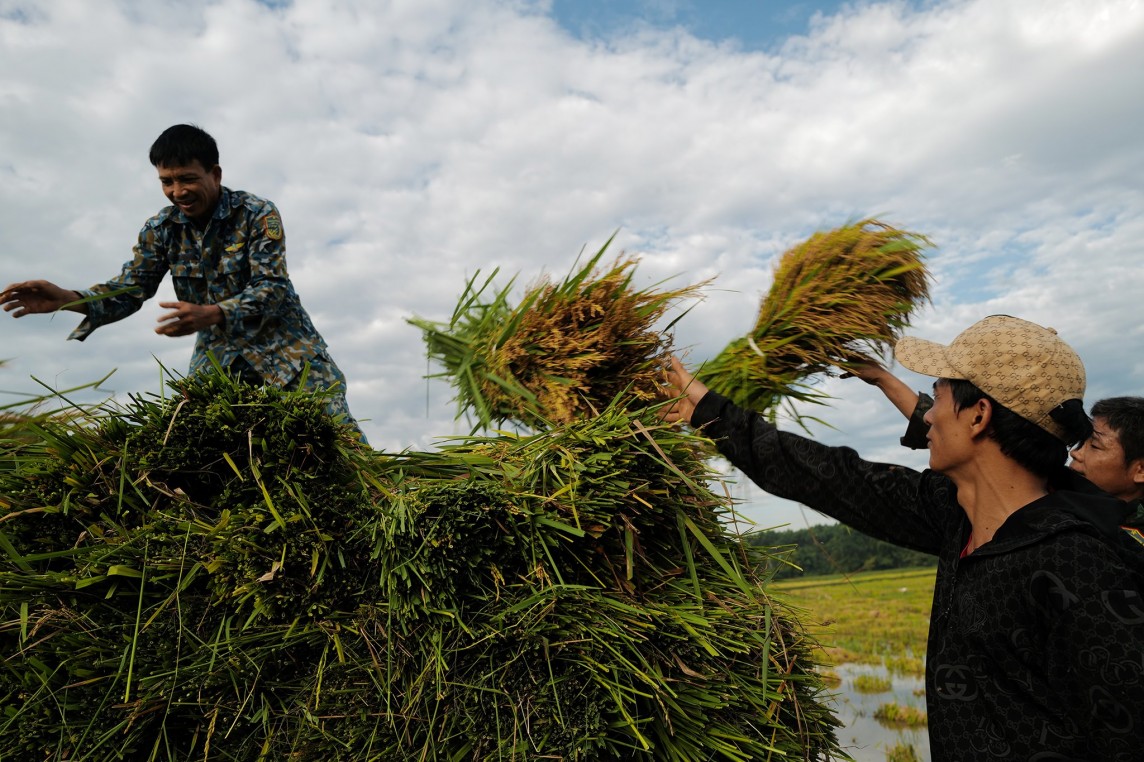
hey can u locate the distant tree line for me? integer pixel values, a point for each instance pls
(835, 549)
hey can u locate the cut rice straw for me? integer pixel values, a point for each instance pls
(565, 351)
(837, 299)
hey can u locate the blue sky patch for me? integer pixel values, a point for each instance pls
(751, 24)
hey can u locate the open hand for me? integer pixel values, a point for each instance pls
(186, 318)
(33, 297)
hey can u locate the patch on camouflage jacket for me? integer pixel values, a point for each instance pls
(273, 225)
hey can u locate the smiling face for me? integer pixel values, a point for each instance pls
(1100, 459)
(192, 188)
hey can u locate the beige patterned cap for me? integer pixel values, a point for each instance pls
(1024, 366)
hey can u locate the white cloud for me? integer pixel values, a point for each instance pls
(409, 144)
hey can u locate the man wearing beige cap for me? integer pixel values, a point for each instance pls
(1036, 646)
(1112, 457)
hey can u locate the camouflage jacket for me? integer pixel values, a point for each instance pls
(237, 262)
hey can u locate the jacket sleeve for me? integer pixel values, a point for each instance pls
(268, 282)
(899, 505)
(917, 428)
(136, 283)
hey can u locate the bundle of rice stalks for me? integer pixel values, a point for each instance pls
(565, 351)
(837, 298)
(228, 575)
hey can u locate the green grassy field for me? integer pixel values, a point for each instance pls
(869, 617)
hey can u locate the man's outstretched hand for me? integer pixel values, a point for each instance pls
(684, 386)
(186, 318)
(33, 297)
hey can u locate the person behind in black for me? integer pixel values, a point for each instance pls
(1036, 643)
(1113, 457)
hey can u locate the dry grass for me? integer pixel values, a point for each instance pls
(584, 345)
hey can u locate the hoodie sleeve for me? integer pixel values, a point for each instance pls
(916, 510)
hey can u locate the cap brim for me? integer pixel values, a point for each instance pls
(925, 357)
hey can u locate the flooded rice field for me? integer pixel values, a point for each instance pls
(863, 736)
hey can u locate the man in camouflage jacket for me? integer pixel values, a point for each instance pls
(226, 252)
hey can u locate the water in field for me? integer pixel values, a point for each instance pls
(865, 738)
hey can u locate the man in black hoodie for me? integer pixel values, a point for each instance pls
(1112, 457)
(1036, 644)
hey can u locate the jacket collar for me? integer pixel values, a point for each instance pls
(1072, 503)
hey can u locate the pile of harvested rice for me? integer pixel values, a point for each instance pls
(228, 574)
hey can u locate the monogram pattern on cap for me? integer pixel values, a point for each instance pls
(1024, 366)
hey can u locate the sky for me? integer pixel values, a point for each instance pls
(413, 143)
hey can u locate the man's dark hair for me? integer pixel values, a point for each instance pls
(178, 146)
(1125, 416)
(1022, 440)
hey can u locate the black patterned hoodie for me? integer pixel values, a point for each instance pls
(1036, 642)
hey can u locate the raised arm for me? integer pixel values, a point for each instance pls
(909, 403)
(903, 397)
(889, 502)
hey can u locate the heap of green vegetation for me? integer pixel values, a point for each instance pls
(834, 549)
(228, 574)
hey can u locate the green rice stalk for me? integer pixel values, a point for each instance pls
(838, 298)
